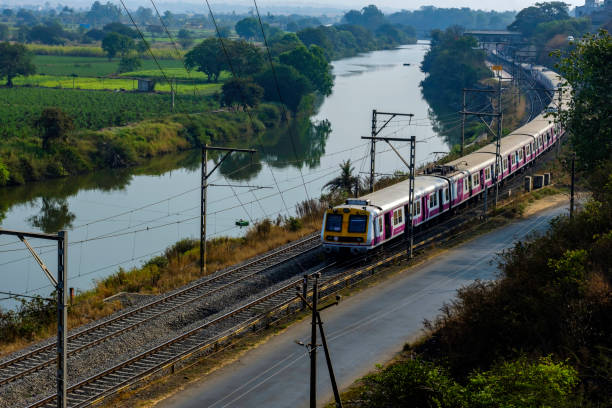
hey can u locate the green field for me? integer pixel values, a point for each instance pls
(111, 84)
(20, 106)
(91, 66)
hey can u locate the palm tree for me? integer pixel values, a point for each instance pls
(346, 181)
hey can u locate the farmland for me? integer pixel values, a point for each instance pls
(91, 66)
(20, 106)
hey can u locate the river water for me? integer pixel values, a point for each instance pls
(122, 218)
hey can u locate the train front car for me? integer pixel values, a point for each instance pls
(349, 227)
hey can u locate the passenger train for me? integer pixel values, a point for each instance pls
(364, 223)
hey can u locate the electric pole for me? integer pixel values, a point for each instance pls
(411, 168)
(373, 138)
(572, 186)
(203, 190)
(60, 285)
(317, 322)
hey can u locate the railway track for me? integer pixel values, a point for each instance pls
(220, 329)
(45, 356)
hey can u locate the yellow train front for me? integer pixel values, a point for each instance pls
(349, 227)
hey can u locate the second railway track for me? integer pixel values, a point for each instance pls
(38, 358)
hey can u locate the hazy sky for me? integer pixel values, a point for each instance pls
(339, 5)
(414, 4)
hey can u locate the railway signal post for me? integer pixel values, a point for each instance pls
(59, 284)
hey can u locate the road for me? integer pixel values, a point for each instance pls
(365, 329)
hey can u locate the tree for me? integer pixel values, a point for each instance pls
(346, 181)
(103, 13)
(114, 44)
(312, 64)
(4, 32)
(185, 38)
(129, 63)
(284, 42)
(120, 28)
(95, 34)
(241, 92)
(50, 33)
(15, 59)
(527, 20)
(246, 57)
(248, 28)
(7, 13)
(55, 125)
(207, 57)
(589, 115)
(292, 85)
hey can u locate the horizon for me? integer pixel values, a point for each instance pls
(293, 6)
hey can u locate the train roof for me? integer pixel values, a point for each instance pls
(397, 194)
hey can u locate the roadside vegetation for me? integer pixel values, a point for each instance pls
(540, 335)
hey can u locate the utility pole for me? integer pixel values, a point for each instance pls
(60, 285)
(499, 135)
(411, 194)
(373, 138)
(411, 169)
(203, 190)
(497, 114)
(572, 186)
(463, 123)
(312, 347)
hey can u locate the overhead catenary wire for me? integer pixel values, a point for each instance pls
(249, 113)
(278, 90)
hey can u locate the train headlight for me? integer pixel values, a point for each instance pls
(336, 239)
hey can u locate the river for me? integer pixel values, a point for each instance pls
(121, 218)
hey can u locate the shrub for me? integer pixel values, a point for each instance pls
(4, 174)
(293, 224)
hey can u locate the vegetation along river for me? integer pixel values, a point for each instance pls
(122, 218)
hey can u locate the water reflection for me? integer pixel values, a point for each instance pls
(54, 215)
(309, 139)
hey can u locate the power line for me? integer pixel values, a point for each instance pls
(280, 97)
(249, 113)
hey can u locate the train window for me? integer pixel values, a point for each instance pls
(476, 180)
(358, 223)
(520, 155)
(513, 157)
(398, 216)
(466, 185)
(528, 148)
(418, 208)
(505, 164)
(487, 173)
(333, 223)
(446, 195)
(454, 191)
(433, 200)
(380, 224)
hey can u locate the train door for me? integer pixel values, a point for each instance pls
(388, 225)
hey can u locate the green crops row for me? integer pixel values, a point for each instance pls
(20, 107)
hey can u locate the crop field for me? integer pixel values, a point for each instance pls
(110, 84)
(177, 73)
(166, 52)
(19, 107)
(91, 66)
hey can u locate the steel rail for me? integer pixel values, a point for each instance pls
(25, 368)
(123, 375)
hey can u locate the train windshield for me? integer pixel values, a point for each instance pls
(333, 222)
(358, 223)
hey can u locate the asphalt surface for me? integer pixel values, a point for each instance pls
(363, 330)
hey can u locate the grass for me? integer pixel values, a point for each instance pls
(92, 51)
(110, 84)
(64, 65)
(176, 267)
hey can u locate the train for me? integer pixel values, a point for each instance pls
(364, 223)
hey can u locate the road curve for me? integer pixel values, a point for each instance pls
(365, 329)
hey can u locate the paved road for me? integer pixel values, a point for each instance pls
(365, 329)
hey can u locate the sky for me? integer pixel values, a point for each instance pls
(337, 6)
